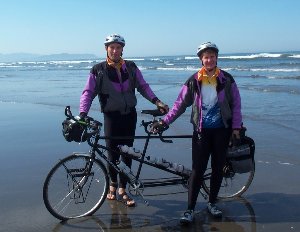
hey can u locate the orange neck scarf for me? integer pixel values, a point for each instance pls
(116, 65)
(202, 75)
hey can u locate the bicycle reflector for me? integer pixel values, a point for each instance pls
(74, 131)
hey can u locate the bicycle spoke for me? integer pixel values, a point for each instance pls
(232, 186)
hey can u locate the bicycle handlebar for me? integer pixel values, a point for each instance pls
(94, 126)
(147, 125)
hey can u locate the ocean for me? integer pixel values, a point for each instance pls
(269, 84)
(34, 94)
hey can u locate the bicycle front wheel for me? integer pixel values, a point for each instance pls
(75, 187)
(233, 185)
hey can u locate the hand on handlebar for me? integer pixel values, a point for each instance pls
(82, 115)
(158, 127)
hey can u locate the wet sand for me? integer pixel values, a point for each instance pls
(31, 143)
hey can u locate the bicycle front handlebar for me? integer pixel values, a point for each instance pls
(93, 126)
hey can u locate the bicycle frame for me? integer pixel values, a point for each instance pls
(96, 148)
(182, 178)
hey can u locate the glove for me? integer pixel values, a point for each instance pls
(235, 138)
(158, 127)
(162, 106)
(82, 115)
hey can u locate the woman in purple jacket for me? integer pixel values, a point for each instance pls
(115, 81)
(216, 117)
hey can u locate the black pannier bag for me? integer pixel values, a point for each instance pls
(73, 131)
(242, 157)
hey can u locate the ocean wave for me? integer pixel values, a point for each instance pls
(252, 56)
(249, 56)
(67, 62)
(170, 67)
(295, 56)
(263, 69)
(191, 58)
(272, 89)
(136, 59)
(275, 70)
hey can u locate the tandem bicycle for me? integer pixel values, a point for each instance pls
(78, 184)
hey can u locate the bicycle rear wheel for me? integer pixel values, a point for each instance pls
(233, 185)
(75, 187)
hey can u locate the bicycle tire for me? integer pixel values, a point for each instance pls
(233, 186)
(71, 191)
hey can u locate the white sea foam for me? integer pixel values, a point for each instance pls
(284, 163)
(136, 59)
(70, 61)
(295, 56)
(191, 57)
(252, 56)
(156, 59)
(273, 70)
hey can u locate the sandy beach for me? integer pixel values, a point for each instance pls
(32, 143)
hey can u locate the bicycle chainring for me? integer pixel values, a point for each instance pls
(136, 189)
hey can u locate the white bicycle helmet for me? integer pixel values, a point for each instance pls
(207, 45)
(114, 38)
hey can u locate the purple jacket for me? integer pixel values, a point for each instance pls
(190, 95)
(115, 93)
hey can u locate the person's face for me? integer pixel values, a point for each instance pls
(209, 60)
(114, 51)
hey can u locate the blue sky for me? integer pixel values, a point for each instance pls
(156, 27)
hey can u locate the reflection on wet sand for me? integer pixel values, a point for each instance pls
(238, 216)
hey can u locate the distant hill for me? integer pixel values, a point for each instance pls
(13, 57)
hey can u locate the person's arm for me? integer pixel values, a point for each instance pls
(236, 114)
(184, 100)
(236, 107)
(87, 95)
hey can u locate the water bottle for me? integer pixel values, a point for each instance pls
(158, 161)
(134, 151)
(130, 150)
(181, 169)
(127, 171)
(151, 159)
(162, 162)
(177, 167)
(187, 171)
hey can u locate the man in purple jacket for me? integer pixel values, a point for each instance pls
(216, 117)
(115, 81)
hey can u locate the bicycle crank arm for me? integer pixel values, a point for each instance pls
(142, 196)
(204, 195)
(137, 188)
